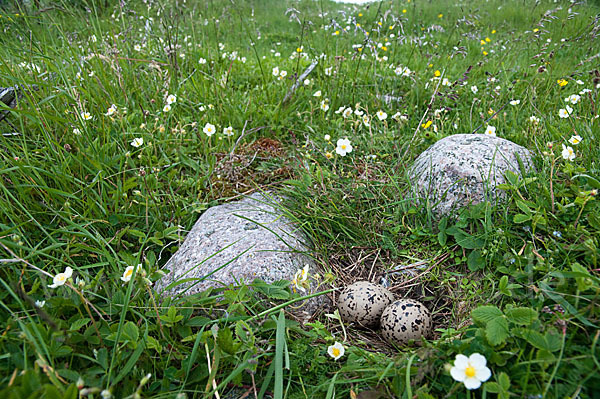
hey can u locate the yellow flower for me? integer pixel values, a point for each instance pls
(490, 111)
(328, 155)
(485, 53)
(487, 39)
(562, 82)
(404, 11)
(494, 32)
(536, 30)
(437, 73)
(440, 15)
(360, 14)
(426, 125)
(482, 42)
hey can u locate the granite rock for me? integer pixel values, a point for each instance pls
(465, 169)
(238, 242)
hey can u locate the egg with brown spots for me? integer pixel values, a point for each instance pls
(363, 302)
(405, 320)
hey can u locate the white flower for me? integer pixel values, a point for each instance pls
(317, 93)
(515, 102)
(202, 61)
(306, 82)
(564, 113)
(86, 116)
(336, 350)
(471, 371)
(128, 273)
(358, 112)
(325, 105)
(347, 112)
(111, 110)
(568, 153)
(209, 129)
(61, 278)
(276, 71)
(575, 139)
(366, 120)
(282, 75)
(445, 82)
(328, 71)
(137, 142)
(573, 99)
(381, 115)
(327, 137)
(490, 130)
(474, 89)
(534, 119)
(301, 278)
(343, 147)
(228, 131)
(171, 99)
(76, 131)
(579, 82)
(40, 304)
(585, 91)
(137, 47)
(166, 108)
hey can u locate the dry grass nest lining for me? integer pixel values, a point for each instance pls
(371, 264)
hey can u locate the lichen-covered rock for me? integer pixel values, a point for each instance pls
(235, 243)
(465, 169)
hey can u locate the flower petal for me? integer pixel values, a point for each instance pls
(477, 361)
(461, 362)
(483, 374)
(472, 383)
(68, 272)
(458, 374)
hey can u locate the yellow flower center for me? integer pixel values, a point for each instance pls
(470, 372)
(335, 352)
(343, 146)
(128, 273)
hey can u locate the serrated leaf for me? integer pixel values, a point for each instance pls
(496, 331)
(131, 332)
(226, 342)
(492, 387)
(523, 207)
(77, 324)
(535, 338)
(486, 313)
(522, 316)
(475, 261)
(553, 341)
(504, 381)
(153, 343)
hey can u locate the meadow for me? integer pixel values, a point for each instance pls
(135, 117)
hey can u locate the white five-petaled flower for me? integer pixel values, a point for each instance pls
(573, 99)
(347, 113)
(137, 142)
(86, 116)
(325, 105)
(534, 119)
(474, 89)
(564, 113)
(381, 115)
(111, 110)
(336, 350)
(276, 71)
(567, 153)
(209, 129)
(343, 147)
(471, 371)
(575, 139)
(490, 130)
(137, 47)
(228, 131)
(128, 273)
(317, 93)
(40, 304)
(515, 102)
(167, 108)
(171, 99)
(61, 278)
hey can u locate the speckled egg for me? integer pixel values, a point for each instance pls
(405, 320)
(363, 302)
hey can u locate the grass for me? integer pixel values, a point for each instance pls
(517, 282)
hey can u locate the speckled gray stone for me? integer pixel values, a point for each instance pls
(465, 169)
(275, 248)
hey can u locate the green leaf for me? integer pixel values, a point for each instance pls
(504, 381)
(496, 331)
(520, 218)
(523, 207)
(226, 342)
(153, 343)
(77, 324)
(492, 387)
(475, 261)
(131, 332)
(486, 313)
(522, 316)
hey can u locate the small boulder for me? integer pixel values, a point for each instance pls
(465, 169)
(235, 243)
